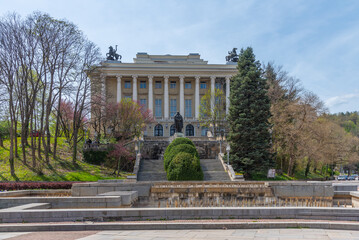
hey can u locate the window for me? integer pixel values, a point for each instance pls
(143, 84)
(203, 85)
(188, 85)
(128, 97)
(172, 130)
(158, 84)
(158, 130)
(188, 108)
(173, 107)
(204, 131)
(158, 107)
(189, 130)
(218, 85)
(143, 102)
(127, 84)
(173, 84)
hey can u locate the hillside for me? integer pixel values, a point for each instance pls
(59, 169)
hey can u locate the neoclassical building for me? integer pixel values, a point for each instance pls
(166, 84)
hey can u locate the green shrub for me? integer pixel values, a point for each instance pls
(178, 149)
(96, 157)
(184, 167)
(175, 142)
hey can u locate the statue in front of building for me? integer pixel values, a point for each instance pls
(178, 122)
(232, 56)
(112, 55)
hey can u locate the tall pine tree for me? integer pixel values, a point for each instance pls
(249, 112)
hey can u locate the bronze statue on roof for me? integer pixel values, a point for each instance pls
(112, 55)
(232, 56)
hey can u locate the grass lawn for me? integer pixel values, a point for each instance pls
(59, 169)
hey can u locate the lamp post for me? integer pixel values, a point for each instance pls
(220, 141)
(228, 149)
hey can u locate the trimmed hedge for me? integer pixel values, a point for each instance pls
(178, 149)
(96, 157)
(34, 185)
(184, 167)
(175, 142)
(181, 161)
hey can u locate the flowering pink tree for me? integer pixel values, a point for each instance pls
(120, 158)
(67, 119)
(127, 119)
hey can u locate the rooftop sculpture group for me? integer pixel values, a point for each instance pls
(112, 55)
(232, 56)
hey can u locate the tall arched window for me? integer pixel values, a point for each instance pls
(189, 130)
(158, 130)
(172, 130)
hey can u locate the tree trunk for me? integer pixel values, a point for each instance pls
(15, 132)
(57, 125)
(74, 153)
(307, 168)
(1, 142)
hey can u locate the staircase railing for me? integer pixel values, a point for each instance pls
(229, 169)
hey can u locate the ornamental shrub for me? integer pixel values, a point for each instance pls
(175, 142)
(184, 167)
(96, 157)
(8, 186)
(178, 149)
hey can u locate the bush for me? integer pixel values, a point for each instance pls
(184, 167)
(34, 185)
(175, 142)
(96, 157)
(178, 149)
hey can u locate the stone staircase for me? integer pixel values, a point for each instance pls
(151, 170)
(213, 170)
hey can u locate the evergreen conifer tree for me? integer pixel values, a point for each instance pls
(249, 112)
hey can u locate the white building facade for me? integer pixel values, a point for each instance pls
(166, 84)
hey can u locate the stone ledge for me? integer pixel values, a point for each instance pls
(177, 226)
(131, 214)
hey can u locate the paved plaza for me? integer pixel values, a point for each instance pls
(190, 234)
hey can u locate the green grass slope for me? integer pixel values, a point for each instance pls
(59, 169)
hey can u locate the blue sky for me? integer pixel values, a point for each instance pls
(315, 41)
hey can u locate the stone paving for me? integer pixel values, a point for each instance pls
(258, 234)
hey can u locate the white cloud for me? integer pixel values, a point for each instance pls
(340, 100)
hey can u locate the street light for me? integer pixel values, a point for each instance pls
(228, 149)
(220, 141)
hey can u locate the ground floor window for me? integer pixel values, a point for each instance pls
(204, 131)
(158, 130)
(189, 130)
(172, 130)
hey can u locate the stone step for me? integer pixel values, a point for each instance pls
(152, 176)
(215, 176)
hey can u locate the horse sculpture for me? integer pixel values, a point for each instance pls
(232, 56)
(112, 55)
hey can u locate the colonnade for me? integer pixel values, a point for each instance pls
(166, 93)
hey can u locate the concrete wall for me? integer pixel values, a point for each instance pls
(61, 215)
(64, 202)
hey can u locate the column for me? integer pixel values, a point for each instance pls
(134, 88)
(182, 95)
(119, 88)
(213, 85)
(166, 97)
(196, 98)
(227, 93)
(103, 86)
(150, 93)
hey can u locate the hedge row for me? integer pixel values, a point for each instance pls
(7, 186)
(181, 161)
